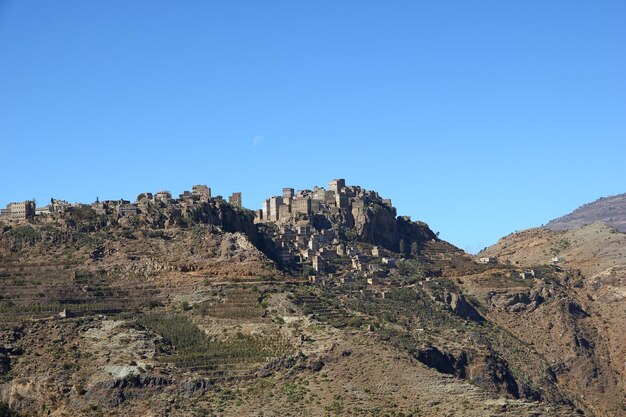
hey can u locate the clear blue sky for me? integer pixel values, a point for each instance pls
(479, 117)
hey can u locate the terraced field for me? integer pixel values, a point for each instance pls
(38, 291)
(232, 303)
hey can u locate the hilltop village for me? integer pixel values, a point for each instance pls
(28, 210)
(265, 292)
(315, 229)
(342, 232)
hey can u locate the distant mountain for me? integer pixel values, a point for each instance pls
(609, 210)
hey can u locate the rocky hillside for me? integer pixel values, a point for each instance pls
(197, 321)
(593, 263)
(608, 210)
(178, 311)
(313, 228)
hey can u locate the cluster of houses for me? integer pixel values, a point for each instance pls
(300, 243)
(18, 211)
(293, 204)
(26, 210)
(123, 208)
(297, 242)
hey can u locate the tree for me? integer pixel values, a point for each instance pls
(414, 249)
(402, 247)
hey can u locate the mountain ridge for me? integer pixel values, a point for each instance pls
(610, 210)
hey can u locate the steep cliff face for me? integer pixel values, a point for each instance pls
(230, 219)
(379, 226)
(376, 225)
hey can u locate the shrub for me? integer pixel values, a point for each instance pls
(5, 411)
(24, 235)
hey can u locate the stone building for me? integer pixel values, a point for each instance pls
(337, 185)
(316, 206)
(329, 199)
(235, 200)
(319, 264)
(274, 204)
(163, 196)
(201, 191)
(58, 206)
(358, 262)
(390, 262)
(288, 233)
(303, 228)
(288, 194)
(328, 253)
(265, 208)
(301, 205)
(319, 194)
(126, 210)
(341, 200)
(99, 207)
(529, 274)
(42, 211)
(21, 211)
(285, 256)
(488, 260)
(346, 279)
(337, 197)
(283, 211)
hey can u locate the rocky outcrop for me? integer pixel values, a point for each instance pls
(229, 218)
(215, 212)
(487, 370)
(139, 381)
(411, 231)
(278, 364)
(376, 225)
(6, 353)
(379, 226)
(114, 392)
(517, 302)
(193, 387)
(443, 361)
(235, 247)
(492, 372)
(458, 305)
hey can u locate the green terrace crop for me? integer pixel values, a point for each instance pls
(193, 349)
